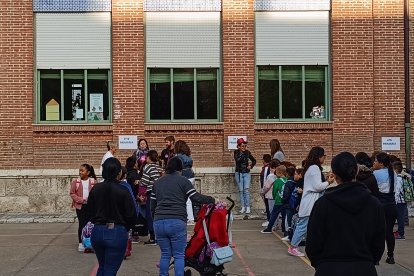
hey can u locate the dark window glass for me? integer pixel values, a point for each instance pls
(160, 94)
(292, 92)
(269, 92)
(314, 89)
(74, 95)
(206, 93)
(50, 101)
(183, 89)
(98, 95)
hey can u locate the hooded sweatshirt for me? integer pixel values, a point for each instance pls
(347, 224)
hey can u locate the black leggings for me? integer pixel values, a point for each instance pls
(82, 215)
(390, 217)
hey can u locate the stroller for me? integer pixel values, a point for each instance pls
(212, 231)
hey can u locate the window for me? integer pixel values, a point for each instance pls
(184, 94)
(292, 92)
(73, 96)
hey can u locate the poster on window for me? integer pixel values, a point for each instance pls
(96, 102)
(76, 101)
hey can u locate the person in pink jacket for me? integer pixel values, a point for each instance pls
(79, 192)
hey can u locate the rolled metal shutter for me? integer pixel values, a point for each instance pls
(292, 38)
(182, 39)
(73, 40)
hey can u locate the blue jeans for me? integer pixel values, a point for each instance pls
(401, 207)
(172, 239)
(300, 231)
(243, 182)
(277, 208)
(109, 246)
(148, 218)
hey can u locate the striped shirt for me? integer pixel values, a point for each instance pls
(150, 174)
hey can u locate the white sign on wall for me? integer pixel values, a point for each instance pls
(232, 141)
(128, 142)
(390, 143)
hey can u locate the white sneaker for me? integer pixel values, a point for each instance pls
(286, 238)
(243, 210)
(81, 248)
(265, 224)
(247, 210)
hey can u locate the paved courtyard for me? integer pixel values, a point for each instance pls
(50, 249)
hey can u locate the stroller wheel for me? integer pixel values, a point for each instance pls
(187, 272)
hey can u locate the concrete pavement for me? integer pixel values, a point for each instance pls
(50, 249)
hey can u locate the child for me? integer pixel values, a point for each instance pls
(268, 188)
(168, 152)
(132, 177)
(287, 211)
(277, 193)
(79, 192)
(400, 200)
(263, 175)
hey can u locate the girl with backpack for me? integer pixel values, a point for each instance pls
(79, 192)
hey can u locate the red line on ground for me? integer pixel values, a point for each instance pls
(246, 266)
(94, 270)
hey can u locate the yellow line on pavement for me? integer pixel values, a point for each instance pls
(306, 260)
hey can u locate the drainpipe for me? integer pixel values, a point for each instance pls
(407, 115)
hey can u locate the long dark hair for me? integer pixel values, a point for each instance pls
(275, 147)
(313, 158)
(182, 147)
(362, 158)
(344, 166)
(385, 159)
(90, 169)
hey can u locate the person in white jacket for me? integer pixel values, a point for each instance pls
(313, 185)
(268, 187)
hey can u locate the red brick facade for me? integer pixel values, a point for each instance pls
(367, 54)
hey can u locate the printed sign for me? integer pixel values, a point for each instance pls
(232, 141)
(390, 143)
(127, 142)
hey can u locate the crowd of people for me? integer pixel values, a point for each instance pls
(323, 210)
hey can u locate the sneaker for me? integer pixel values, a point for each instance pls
(266, 231)
(247, 210)
(390, 260)
(151, 242)
(294, 251)
(81, 248)
(265, 224)
(286, 238)
(243, 210)
(264, 212)
(135, 239)
(400, 238)
(190, 222)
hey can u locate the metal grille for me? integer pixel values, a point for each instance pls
(71, 5)
(292, 5)
(182, 5)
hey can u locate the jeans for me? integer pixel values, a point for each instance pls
(401, 207)
(82, 215)
(300, 231)
(109, 246)
(148, 218)
(289, 215)
(273, 216)
(172, 239)
(243, 182)
(390, 217)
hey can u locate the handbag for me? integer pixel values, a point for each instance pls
(221, 255)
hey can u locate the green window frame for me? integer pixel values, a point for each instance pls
(292, 93)
(73, 96)
(183, 95)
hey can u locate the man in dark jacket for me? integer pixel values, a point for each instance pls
(346, 229)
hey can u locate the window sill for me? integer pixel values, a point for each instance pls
(56, 128)
(167, 127)
(317, 125)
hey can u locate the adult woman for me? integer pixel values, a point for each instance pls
(168, 204)
(182, 151)
(110, 153)
(276, 150)
(333, 244)
(387, 180)
(112, 210)
(242, 174)
(79, 192)
(141, 153)
(365, 174)
(313, 185)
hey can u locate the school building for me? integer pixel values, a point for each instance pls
(76, 74)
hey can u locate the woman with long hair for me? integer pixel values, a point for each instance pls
(182, 151)
(387, 180)
(365, 174)
(276, 150)
(141, 153)
(314, 184)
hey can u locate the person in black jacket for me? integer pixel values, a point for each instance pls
(365, 174)
(346, 229)
(242, 175)
(112, 210)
